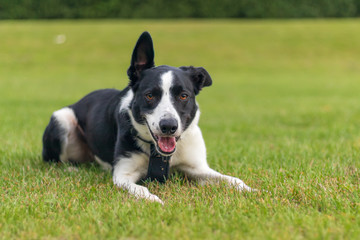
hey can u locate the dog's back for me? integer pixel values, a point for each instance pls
(86, 129)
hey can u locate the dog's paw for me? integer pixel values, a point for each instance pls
(146, 195)
(243, 187)
(154, 198)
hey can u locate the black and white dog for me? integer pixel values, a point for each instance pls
(121, 130)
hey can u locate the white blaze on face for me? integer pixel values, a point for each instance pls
(165, 109)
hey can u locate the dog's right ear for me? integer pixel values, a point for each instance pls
(142, 57)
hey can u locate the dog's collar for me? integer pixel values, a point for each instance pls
(158, 164)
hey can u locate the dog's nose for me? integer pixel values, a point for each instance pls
(168, 126)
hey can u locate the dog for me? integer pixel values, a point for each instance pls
(155, 117)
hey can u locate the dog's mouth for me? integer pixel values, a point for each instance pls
(165, 145)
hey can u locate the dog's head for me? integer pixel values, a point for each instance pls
(164, 96)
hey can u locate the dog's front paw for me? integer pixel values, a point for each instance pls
(154, 198)
(246, 188)
(145, 194)
(241, 186)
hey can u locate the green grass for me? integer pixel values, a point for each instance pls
(283, 115)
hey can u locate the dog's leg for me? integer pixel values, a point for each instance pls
(128, 171)
(192, 161)
(204, 174)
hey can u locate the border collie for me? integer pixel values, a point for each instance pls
(141, 131)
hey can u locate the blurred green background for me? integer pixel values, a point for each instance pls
(37, 9)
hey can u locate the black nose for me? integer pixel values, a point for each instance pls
(168, 126)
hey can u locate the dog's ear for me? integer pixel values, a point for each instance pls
(142, 57)
(199, 76)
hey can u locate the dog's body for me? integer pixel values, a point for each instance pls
(116, 128)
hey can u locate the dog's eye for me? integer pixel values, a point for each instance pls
(184, 96)
(149, 96)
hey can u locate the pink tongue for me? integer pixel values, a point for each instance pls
(167, 144)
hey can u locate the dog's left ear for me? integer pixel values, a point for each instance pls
(199, 76)
(142, 57)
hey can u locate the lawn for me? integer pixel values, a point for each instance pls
(283, 115)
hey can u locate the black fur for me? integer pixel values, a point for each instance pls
(52, 141)
(142, 58)
(96, 114)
